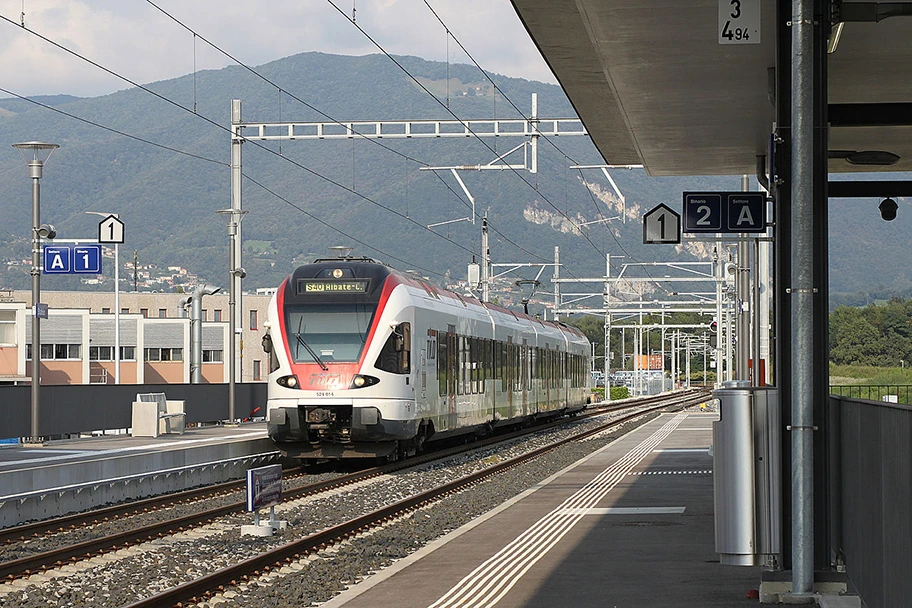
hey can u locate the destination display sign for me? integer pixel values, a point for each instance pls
(315, 286)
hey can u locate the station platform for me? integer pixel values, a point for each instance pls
(75, 474)
(630, 525)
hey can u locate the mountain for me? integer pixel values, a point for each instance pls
(365, 190)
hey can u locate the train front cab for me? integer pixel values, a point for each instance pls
(343, 386)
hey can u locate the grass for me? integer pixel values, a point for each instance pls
(863, 374)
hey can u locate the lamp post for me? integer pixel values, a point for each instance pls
(235, 217)
(36, 153)
(116, 300)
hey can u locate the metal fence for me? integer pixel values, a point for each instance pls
(895, 393)
(72, 409)
(870, 489)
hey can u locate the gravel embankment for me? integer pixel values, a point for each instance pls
(117, 579)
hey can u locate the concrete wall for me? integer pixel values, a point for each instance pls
(71, 409)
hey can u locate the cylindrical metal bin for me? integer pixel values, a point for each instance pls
(733, 475)
(746, 475)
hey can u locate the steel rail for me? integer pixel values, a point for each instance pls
(28, 565)
(61, 524)
(229, 576)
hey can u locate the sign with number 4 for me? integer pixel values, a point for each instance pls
(739, 22)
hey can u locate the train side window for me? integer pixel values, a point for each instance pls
(442, 365)
(395, 356)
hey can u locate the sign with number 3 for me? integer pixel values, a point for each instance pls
(739, 22)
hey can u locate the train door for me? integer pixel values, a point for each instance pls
(547, 375)
(524, 371)
(452, 366)
(509, 375)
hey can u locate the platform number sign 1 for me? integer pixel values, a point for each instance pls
(739, 21)
(111, 230)
(661, 225)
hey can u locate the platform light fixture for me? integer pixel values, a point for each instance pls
(234, 218)
(36, 154)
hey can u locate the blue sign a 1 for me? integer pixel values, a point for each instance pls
(87, 259)
(72, 259)
(57, 260)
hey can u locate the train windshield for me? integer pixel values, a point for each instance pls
(327, 333)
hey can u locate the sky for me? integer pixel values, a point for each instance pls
(136, 40)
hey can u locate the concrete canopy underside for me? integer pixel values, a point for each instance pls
(653, 86)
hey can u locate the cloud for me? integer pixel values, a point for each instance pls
(138, 41)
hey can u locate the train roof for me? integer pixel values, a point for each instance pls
(370, 268)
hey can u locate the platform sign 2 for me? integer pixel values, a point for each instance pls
(264, 487)
(724, 212)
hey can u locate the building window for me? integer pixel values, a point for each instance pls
(144, 312)
(101, 353)
(56, 351)
(212, 356)
(257, 375)
(217, 316)
(164, 354)
(105, 311)
(162, 313)
(204, 314)
(106, 353)
(124, 311)
(253, 319)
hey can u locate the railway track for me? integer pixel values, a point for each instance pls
(26, 566)
(206, 586)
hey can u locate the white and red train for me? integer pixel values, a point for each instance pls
(366, 361)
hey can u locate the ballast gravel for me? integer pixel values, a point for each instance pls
(152, 567)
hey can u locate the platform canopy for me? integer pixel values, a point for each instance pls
(653, 85)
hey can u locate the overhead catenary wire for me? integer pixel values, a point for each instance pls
(222, 163)
(331, 119)
(115, 131)
(331, 227)
(485, 74)
(469, 130)
(219, 126)
(250, 141)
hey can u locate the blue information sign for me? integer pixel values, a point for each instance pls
(72, 259)
(57, 260)
(724, 212)
(87, 259)
(264, 487)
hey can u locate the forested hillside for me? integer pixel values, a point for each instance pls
(878, 334)
(164, 167)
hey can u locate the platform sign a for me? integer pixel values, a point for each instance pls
(57, 260)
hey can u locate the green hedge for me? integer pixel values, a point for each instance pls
(617, 392)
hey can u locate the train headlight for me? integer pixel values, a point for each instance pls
(288, 381)
(360, 381)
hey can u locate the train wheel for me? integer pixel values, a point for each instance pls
(421, 438)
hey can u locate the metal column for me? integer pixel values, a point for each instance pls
(801, 291)
(237, 361)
